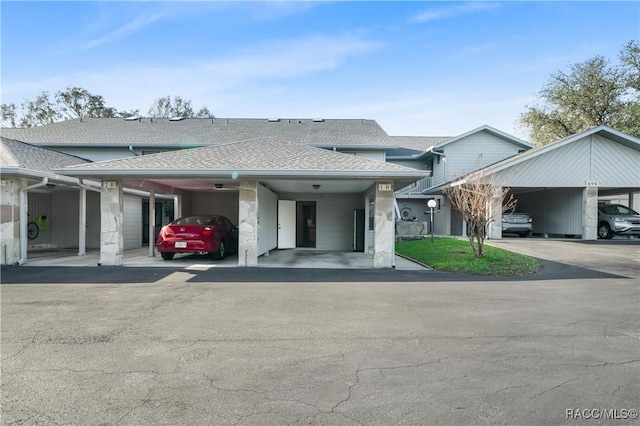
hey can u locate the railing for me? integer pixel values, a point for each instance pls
(415, 188)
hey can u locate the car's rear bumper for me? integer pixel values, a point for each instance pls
(517, 228)
(195, 246)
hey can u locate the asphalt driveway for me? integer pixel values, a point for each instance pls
(277, 346)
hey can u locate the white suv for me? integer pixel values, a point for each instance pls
(616, 219)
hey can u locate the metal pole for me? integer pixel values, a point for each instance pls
(431, 225)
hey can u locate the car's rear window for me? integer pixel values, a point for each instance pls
(194, 220)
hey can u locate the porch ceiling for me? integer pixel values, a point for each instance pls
(277, 185)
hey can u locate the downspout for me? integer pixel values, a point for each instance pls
(23, 217)
(134, 153)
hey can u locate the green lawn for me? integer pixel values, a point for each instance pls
(456, 255)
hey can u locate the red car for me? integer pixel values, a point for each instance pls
(202, 234)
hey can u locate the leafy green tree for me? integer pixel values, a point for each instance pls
(9, 114)
(39, 111)
(76, 102)
(592, 93)
(166, 107)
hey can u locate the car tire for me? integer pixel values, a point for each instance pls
(221, 253)
(604, 231)
(167, 255)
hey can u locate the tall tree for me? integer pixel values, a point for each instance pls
(166, 107)
(592, 93)
(76, 102)
(9, 115)
(39, 111)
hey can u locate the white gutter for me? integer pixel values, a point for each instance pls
(23, 218)
(132, 150)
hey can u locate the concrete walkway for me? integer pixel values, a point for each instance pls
(294, 258)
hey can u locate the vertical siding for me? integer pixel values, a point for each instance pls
(476, 151)
(554, 211)
(132, 222)
(267, 220)
(93, 220)
(64, 218)
(39, 204)
(224, 203)
(334, 227)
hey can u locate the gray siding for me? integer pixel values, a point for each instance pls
(93, 220)
(474, 152)
(593, 158)
(132, 222)
(39, 204)
(372, 155)
(224, 203)
(65, 218)
(267, 220)
(334, 227)
(102, 154)
(554, 211)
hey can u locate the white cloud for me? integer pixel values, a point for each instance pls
(452, 11)
(125, 30)
(130, 86)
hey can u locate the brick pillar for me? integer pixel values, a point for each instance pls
(248, 224)
(590, 213)
(111, 223)
(10, 220)
(383, 240)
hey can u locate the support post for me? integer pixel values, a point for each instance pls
(111, 223)
(383, 242)
(495, 214)
(590, 213)
(152, 223)
(248, 224)
(82, 223)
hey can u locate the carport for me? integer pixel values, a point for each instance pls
(560, 184)
(272, 187)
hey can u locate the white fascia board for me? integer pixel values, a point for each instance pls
(263, 174)
(26, 173)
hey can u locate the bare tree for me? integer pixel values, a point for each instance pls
(472, 197)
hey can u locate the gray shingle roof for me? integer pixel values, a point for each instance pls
(201, 131)
(18, 155)
(267, 155)
(420, 143)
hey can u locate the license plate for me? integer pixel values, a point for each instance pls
(181, 244)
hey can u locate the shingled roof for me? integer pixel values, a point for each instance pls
(258, 157)
(419, 143)
(202, 132)
(19, 155)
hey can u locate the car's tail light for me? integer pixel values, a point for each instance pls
(207, 231)
(530, 220)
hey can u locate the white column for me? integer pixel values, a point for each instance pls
(10, 220)
(495, 214)
(82, 223)
(177, 207)
(248, 224)
(111, 223)
(590, 213)
(152, 223)
(631, 201)
(383, 240)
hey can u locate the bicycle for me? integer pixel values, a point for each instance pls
(32, 230)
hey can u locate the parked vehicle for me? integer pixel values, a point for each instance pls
(616, 219)
(517, 223)
(203, 234)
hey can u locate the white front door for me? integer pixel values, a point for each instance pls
(286, 224)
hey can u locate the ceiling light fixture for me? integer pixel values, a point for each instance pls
(316, 186)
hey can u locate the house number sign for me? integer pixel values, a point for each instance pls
(592, 183)
(107, 184)
(384, 187)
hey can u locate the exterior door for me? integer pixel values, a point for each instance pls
(286, 224)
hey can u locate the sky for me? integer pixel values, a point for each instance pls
(419, 68)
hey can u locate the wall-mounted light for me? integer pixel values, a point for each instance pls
(316, 186)
(51, 185)
(218, 185)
